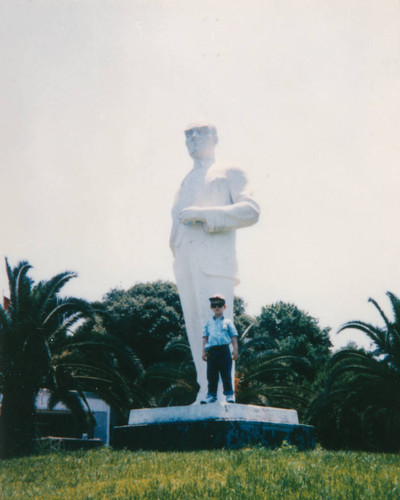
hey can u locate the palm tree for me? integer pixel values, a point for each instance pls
(173, 381)
(39, 350)
(268, 377)
(360, 405)
(91, 360)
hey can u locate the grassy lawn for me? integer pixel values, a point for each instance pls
(253, 473)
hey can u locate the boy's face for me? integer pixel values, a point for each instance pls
(218, 309)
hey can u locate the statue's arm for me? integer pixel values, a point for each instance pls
(243, 211)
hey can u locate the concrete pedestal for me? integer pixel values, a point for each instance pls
(212, 426)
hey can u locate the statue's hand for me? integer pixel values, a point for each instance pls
(191, 215)
(213, 218)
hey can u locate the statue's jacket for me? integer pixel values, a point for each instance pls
(225, 199)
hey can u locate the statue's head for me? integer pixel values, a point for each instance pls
(201, 139)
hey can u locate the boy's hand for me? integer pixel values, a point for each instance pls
(235, 354)
(204, 355)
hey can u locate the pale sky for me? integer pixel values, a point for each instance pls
(305, 96)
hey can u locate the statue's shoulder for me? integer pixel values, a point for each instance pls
(227, 169)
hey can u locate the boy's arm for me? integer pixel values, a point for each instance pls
(235, 351)
(204, 355)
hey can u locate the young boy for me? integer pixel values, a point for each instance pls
(218, 333)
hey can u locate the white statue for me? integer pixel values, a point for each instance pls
(213, 201)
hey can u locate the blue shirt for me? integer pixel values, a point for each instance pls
(219, 331)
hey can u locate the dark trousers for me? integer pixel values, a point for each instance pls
(219, 361)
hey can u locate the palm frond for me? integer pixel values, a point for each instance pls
(5, 323)
(381, 313)
(73, 401)
(395, 302)
(244, 334)
(373, 332)
(64, 327)
(69, 306)
(46, 291)
(177, 344)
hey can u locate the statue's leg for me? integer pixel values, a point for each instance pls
(187, 288)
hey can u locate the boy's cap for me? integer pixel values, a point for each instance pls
(219, 299)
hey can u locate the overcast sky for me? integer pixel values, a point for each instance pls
(305, 95)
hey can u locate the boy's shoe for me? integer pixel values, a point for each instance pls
(209, 399)
(230, 399)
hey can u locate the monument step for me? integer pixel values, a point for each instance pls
(213, 411)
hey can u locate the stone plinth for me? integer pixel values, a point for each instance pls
(213, 411)
(216, 425)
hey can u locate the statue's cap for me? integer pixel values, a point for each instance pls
(202, 124)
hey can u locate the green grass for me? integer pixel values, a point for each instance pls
(253, 473)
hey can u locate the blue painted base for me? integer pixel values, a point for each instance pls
(211, 434)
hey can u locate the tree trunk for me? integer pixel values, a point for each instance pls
(17, 421)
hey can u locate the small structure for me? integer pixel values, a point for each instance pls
(212, 426)
(60, 422)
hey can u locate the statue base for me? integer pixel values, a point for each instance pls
(212, 426)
